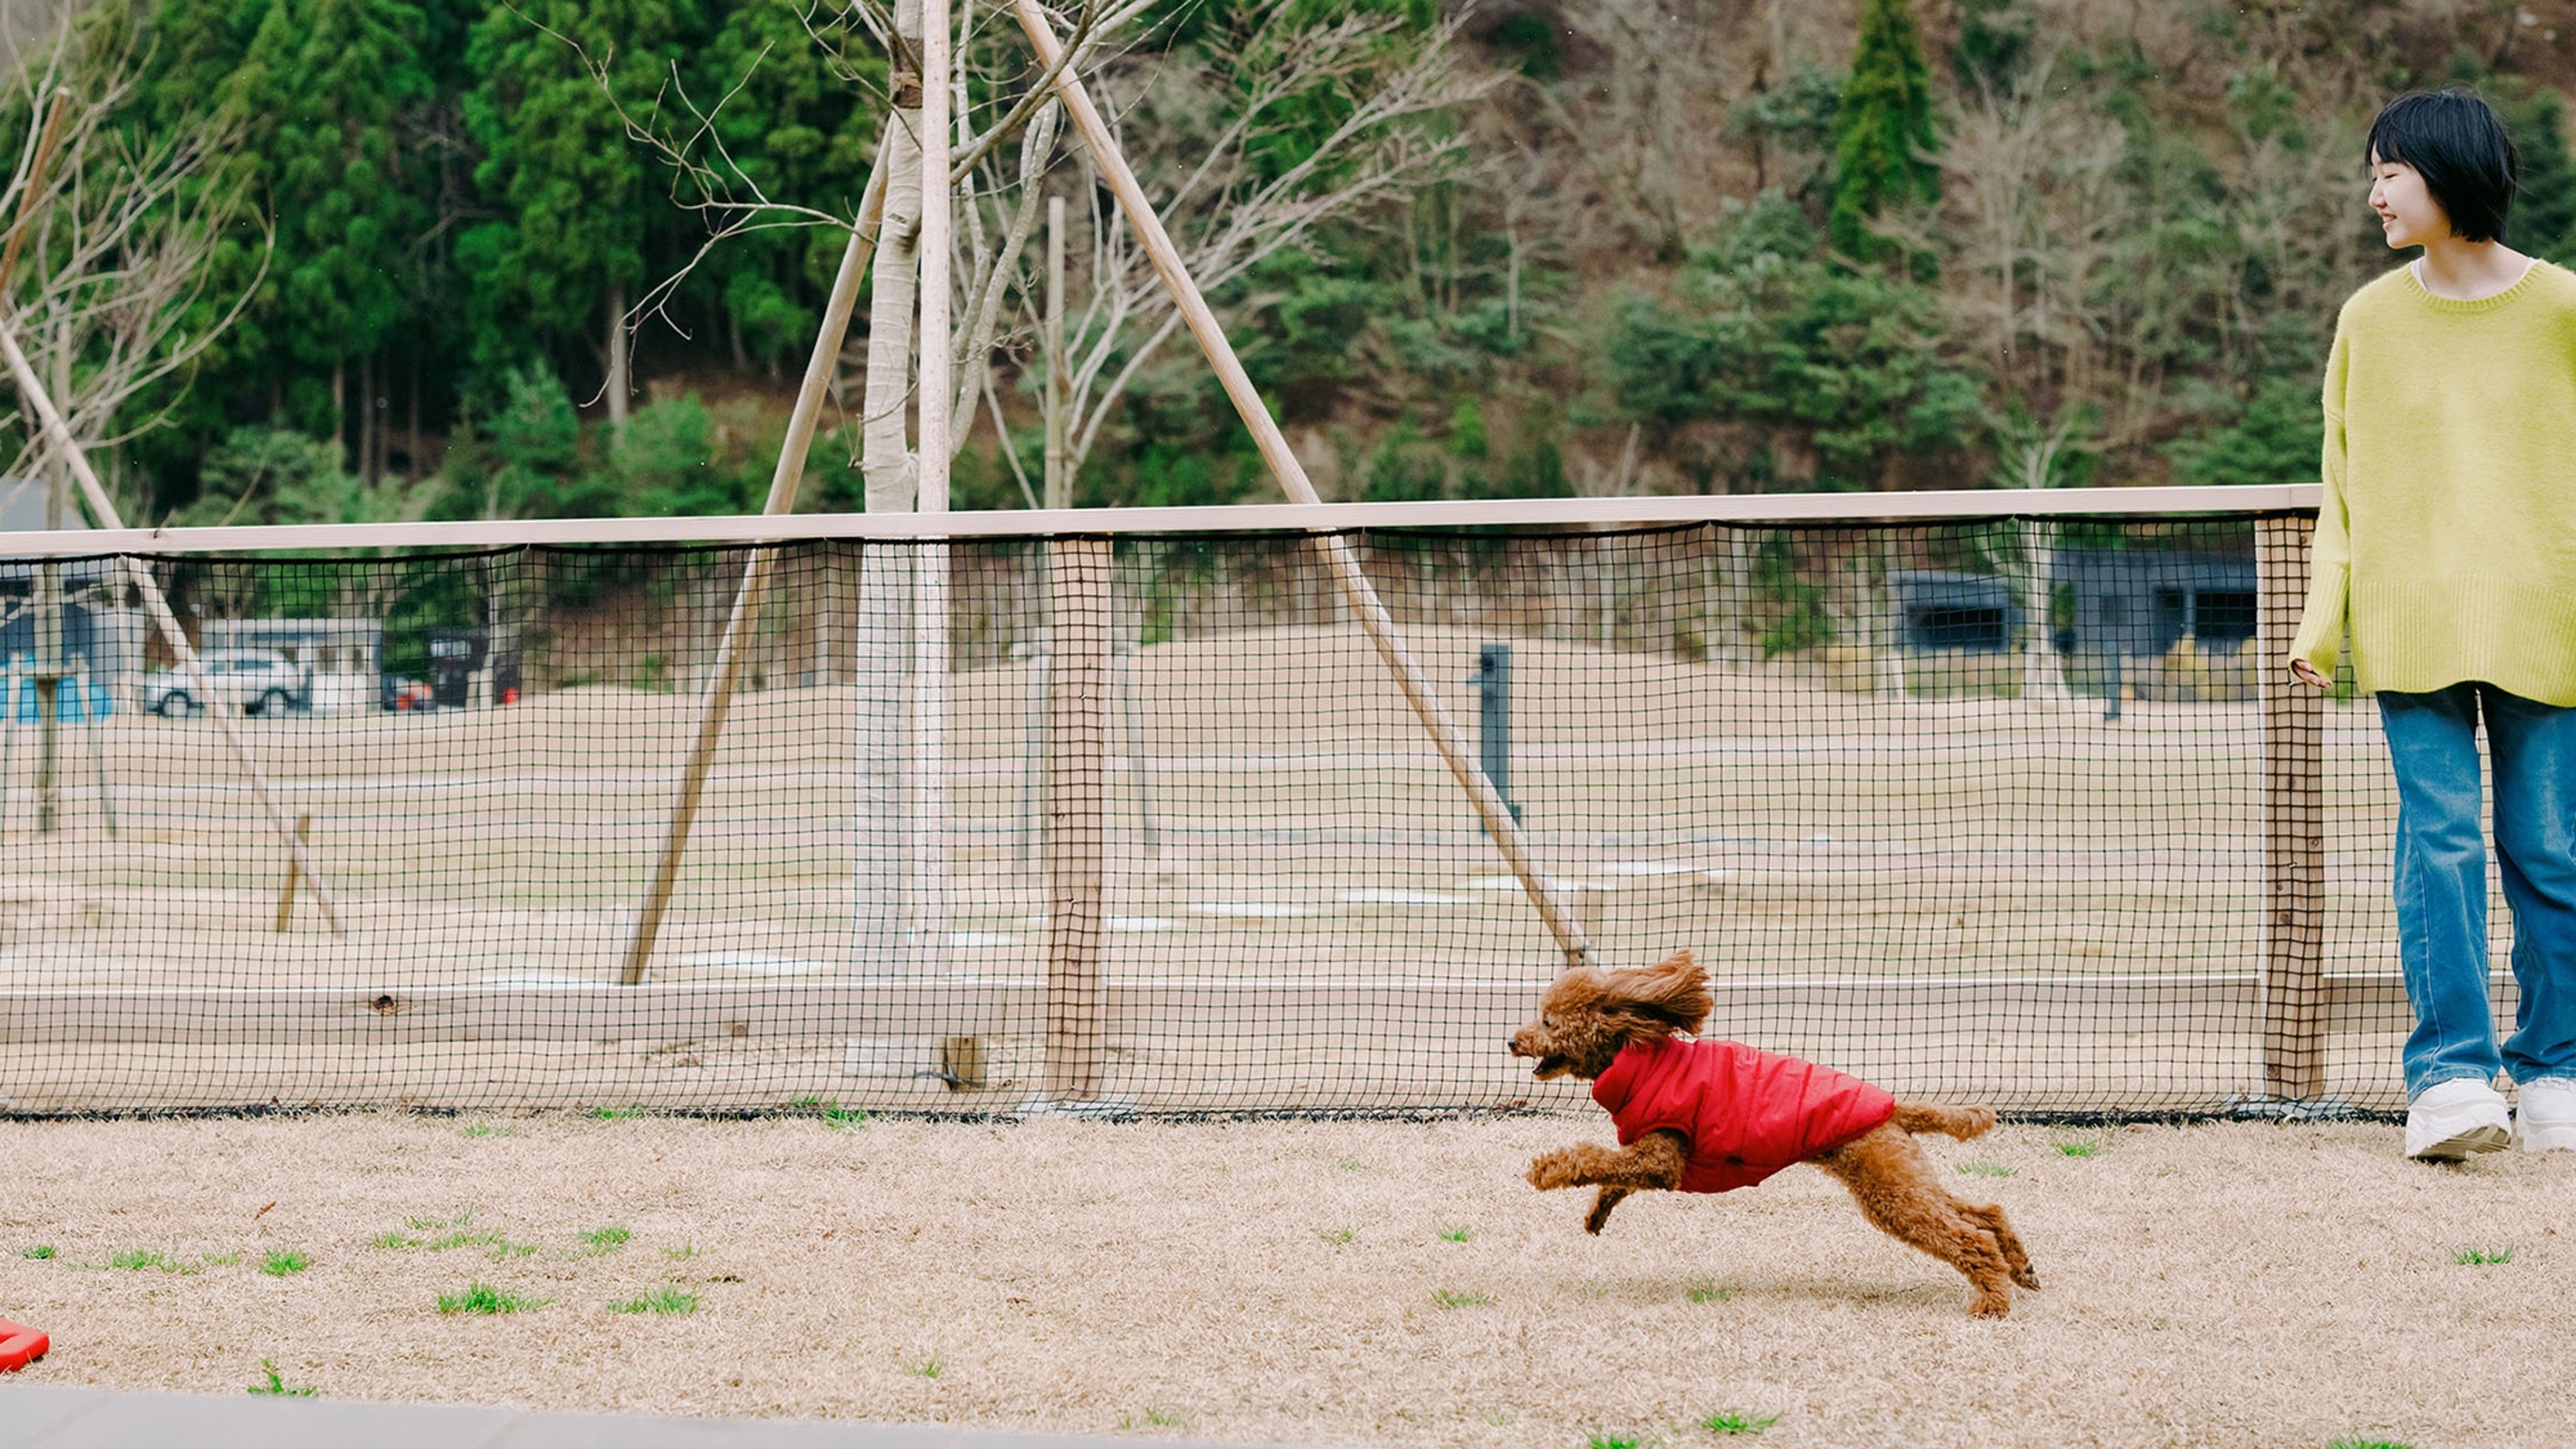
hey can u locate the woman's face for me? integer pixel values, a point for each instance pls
(2408, 215)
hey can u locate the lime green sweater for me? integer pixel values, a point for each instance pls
(2447, 538)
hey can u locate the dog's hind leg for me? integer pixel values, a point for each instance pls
(1992, 1215)
(1608, 1198)
(1897, 1190)
(1960, 1122)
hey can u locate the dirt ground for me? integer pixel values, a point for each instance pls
(1313, 1282)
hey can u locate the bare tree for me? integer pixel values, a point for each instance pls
(1225, 213)
(117, 290)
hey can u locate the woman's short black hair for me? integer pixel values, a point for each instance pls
(2459, 145)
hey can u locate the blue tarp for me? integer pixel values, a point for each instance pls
(18, 701)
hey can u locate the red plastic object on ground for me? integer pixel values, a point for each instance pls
(20, 1345)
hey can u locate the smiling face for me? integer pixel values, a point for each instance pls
(2408, 214)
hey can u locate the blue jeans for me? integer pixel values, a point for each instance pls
(2441, 880)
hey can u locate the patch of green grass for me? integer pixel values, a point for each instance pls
(1456, 1235)
(2482, 1257)
(484, 1298)
(445, 1234)
(1708, 1293)
(665, 1299)
(1987, 1169)
(1338, 1235)
(1614, 1441)
(142, 1258)
(277, 1385)
(284, 1262)
(684, 1251)
(1157, 1418)
(2368, 1444)
(222, 1260)
(612, 1114)
(1351, 1164)
(39, 1250)
(605, 1240)
(486, 1129)
(2081, 1147)
(928, 1368)
(1448, 1298)
(1732, 1422)
(843, 1119)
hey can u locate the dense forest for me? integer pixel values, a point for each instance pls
(437, 258)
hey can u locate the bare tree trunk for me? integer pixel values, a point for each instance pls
(340, 412)
(1059, 485)
(411, 443)
(617, 388)
(881, 626)
(928, 715)
(366, 419)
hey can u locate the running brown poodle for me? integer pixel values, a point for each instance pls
(1707, 1116)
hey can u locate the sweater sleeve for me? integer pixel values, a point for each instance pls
(2321, 623)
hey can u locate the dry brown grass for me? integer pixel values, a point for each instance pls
(2232, 1284)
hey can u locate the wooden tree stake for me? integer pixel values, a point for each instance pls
(783, 484)
(104, 512)
(286, 895)
(1338, 553)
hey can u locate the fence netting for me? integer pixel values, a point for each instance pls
(1970, 809)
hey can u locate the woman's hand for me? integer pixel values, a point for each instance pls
(2307, 672)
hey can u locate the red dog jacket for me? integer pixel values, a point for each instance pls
(1747, 1113)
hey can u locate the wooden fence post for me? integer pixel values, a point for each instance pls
(2293, 815)
(1077, 766)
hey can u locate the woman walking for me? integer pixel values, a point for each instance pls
(2446, 549)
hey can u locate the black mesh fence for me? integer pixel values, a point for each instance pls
(1973, 809)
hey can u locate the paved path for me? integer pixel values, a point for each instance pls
(33, 1417)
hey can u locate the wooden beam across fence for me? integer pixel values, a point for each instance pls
(1409, 1010)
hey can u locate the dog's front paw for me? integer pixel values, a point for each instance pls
(1561, 1168)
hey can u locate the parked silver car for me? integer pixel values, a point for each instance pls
(254, 681)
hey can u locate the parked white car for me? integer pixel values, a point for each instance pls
(254, 681)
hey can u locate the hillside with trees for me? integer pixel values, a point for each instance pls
(435, 258)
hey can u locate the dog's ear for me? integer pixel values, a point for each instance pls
(1672, 995)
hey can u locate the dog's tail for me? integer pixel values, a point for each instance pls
(1960, 1122)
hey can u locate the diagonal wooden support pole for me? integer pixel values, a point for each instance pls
(1344, 560)
(104, 513)
(783, 484)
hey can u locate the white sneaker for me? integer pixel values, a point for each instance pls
(2547, 1121)
(2452, 1120)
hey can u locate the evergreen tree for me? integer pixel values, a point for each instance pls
(322, 85)
(804, 133)
(1883, 134)
(577, 205)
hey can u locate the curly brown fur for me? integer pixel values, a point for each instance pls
(1590, 1014)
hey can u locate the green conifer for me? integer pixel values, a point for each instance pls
(1883, 136)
